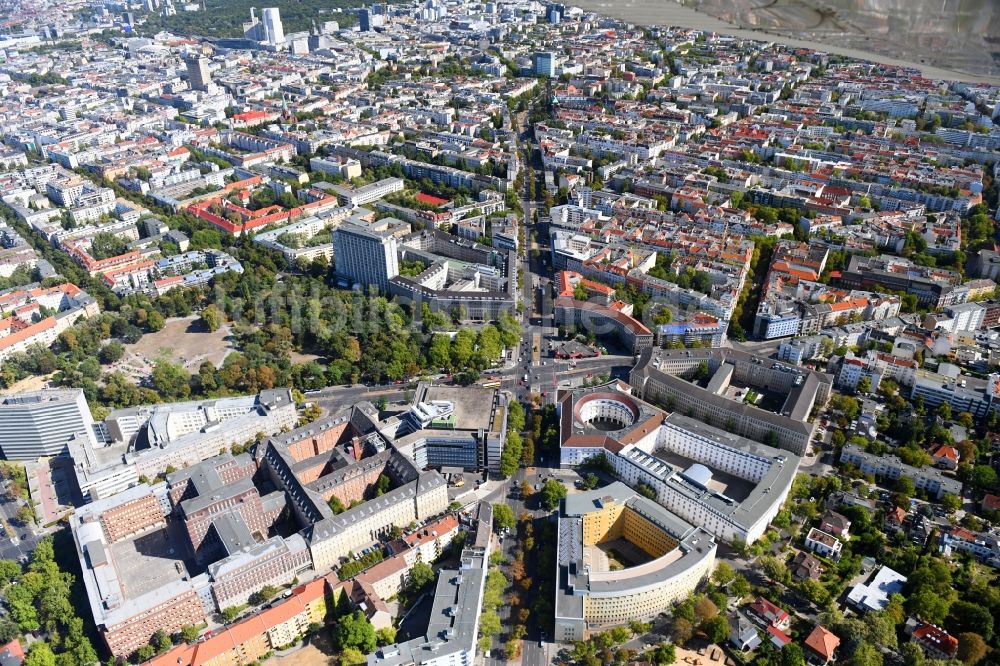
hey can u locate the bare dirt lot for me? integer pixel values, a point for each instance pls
(180, 341)
(27, 384)
(319, 652)
(710, 655)
(299, 357)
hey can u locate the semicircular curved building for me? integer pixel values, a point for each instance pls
(590, 594)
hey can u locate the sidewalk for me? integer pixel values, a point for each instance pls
(486, 489)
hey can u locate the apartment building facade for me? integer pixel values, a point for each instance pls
(929, 479)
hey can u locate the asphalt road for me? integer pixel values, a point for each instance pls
(509, 493)
(537, 319)
(335, 398)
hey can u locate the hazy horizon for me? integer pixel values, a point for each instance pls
(958, 39)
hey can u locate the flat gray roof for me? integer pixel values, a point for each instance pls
(794, 412)
(198, 503)
(760, 499)
(726, 438)
(874, 594)
(578, 504)
(248, 556)
(473, 404)
(233, 532)
(148, 562)
(126, 578)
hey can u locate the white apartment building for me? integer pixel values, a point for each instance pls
(64, 191)
(180, 435)
(984, 545)
(199, 445)
(589, 598)
(966, 317)
(705, 449)
(91, 213)
(687, 492)
(976, 396)
(928, 479)
(824, 544)
(368, 193)
(876, 366)
(345, 167)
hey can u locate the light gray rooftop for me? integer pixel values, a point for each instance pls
(781, 471)
(474, 405)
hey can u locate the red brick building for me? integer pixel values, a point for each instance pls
(132, 517)
(173, 613)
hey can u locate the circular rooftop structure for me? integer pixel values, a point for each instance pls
(607, 412)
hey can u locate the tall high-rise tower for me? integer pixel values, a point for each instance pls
(365, 19)
(198, 74)
(545, 63)
(554, 13)
(365, 256)
(274, 33)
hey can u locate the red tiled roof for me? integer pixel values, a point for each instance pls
(238, 634)
(217, 644)
(432, 531)
(767, 609)
(173, 279)
(251, 115)
(822, 642)
(26, 333)
(384, 569)
(12, 649)
(634, 325)
(111, 275)
(245, 631)
(590, 285)
(850, 304)
(182, 655)
(945, 451)
(67, 288)
(783, 267)
(312, 590)
(936, 637)
(282, 612)
(963, 534)
(782, 637)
